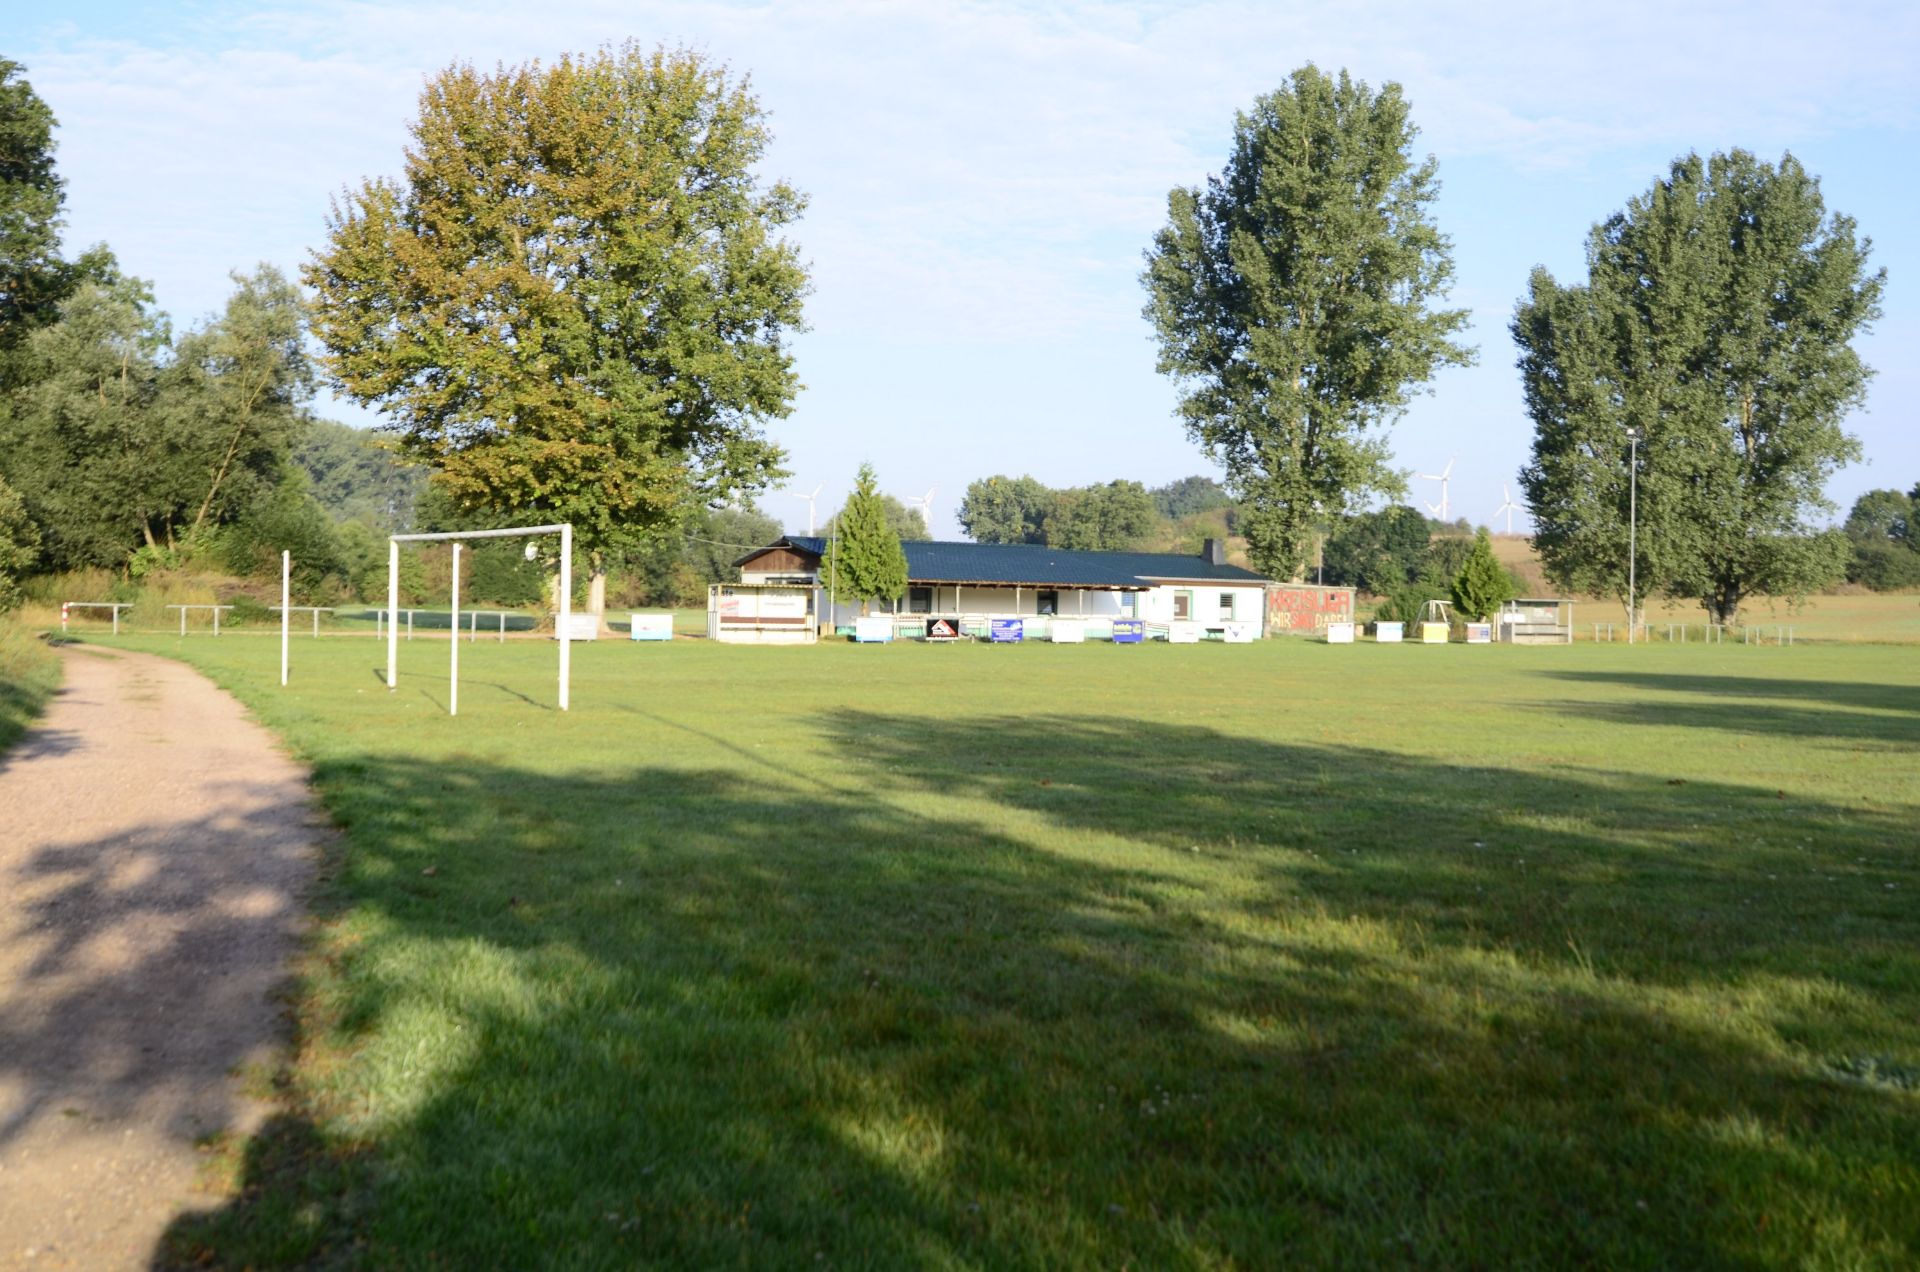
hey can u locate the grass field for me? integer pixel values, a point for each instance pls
(1099, 957)
(28, 673)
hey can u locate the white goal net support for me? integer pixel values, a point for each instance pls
(453, 671)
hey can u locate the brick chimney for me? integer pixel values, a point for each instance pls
(1214, 551)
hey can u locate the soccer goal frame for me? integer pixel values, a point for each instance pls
(453, 669)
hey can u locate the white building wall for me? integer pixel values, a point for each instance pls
(1244, 603)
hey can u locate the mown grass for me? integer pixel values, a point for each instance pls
(28, 673)
(1185, 957)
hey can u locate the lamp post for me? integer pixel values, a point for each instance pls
(1633, 516)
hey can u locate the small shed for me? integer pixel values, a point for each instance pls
(1536, 621)
(761, 613)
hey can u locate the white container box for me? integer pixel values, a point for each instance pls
(1388, 633)
(1339, 633)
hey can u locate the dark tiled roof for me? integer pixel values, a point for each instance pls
(1032, 565)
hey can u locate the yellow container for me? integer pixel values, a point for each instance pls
(1433, 633)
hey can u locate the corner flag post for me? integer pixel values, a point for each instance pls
(566, 608)
(393, 613)
(453, 641)
(286, 609)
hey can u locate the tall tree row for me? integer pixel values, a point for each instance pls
(1716, 322)
(1293, 297)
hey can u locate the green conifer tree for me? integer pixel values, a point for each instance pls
(864, 559)
(1483, 585)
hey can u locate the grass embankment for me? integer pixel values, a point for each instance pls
(1096, 956)
(28, 673)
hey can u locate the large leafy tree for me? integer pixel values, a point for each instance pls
(1293, 301)
(84, 444)
(120, 437)
(864, 559)
(34, 279)
(575, 303)
(1716, 321)
(19, 546)
(1102, 518)
(1378, 551)
(1002, 509)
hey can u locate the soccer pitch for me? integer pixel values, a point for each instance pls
(1095, 956)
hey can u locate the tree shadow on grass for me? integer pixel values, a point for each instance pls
(1852, 694)
(1853, 728)
(972, 997)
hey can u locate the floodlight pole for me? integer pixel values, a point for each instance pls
(1633, 517)
(453, 641)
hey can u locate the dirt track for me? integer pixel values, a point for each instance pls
(154, 847)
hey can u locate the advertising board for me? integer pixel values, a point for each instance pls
(651, 626)
(1129, 631)
(1005, 631)
(942, 629)
(1303, 609)
(1068, 632)
(873, 629)
(1339, 633)
(1184, 633)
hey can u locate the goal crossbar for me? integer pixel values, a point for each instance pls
(508, 532)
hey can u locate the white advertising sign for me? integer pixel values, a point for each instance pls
(787, 605)
(652, 626)
(1069, 633)
(583, 626)
(1184, 633)
(873, 629)
(1240, 633)
(1339, 633)
(1388, 633)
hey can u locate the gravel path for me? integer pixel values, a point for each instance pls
(154, 846)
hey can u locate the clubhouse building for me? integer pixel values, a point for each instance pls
(974, 583)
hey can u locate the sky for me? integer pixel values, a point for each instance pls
(984, 178)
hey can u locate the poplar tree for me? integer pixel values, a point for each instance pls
(864, 558)
(1292, 298)
(1716, 320)
(575, 303)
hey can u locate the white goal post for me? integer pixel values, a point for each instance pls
(393, 600)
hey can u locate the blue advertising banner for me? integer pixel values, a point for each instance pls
(1006, 631)
(1129, 631)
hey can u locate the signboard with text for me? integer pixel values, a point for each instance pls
(1303, 609)
(1006, 631)
(1129, 631)
(943, 629)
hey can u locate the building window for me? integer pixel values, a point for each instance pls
(1226, 606)
(1182, 605)
(1048, 603)
(919, 600)
(1129, 604)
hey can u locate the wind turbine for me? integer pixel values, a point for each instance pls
(1440, 477)
(926, 507)
(1507, 506)
(809, 498)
